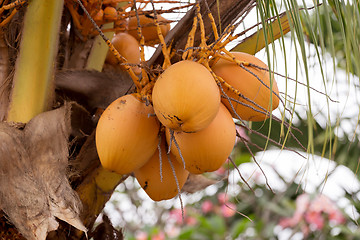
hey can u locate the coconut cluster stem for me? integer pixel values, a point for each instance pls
(99, 50)
(34, 74)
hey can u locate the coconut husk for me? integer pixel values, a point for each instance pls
(34, 189)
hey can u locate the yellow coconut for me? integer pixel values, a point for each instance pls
(126, 135)
(128, 47)
(99, 17)
(186, 97)
(150, 180)
(208, 149)
(249, 86)
(110, 14)
(148, 28)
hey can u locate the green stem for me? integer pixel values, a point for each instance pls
(99, 50)
(34, 73)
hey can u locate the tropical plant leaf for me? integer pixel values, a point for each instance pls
(256, 42)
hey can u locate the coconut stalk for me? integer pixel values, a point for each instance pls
(34, 71)
(99, 50)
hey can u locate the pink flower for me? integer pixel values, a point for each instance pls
(141, 235)
(191, 221)
(223, 198)
(228, 209)
(337, 217)
(315, 219)
(176, 214)
(312, 212)
(207, 206)
(287, 222)
(159, 236)
(323, 204)
(302, 203)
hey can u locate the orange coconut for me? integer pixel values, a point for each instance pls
(99, 17)
(208, 149)
(186, 97)
(110, 14)
(149, 178)
(148, 28)
(249, 86)
(126, 135)
(128, 47)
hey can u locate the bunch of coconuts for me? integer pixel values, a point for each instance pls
(188, 128)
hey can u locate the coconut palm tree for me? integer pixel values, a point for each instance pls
(54, 83)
